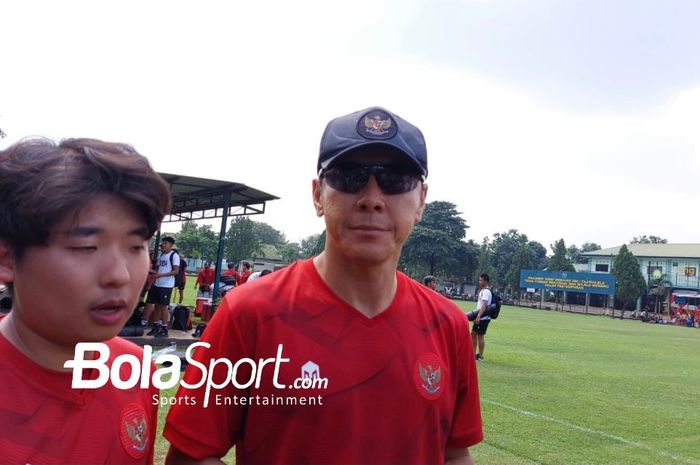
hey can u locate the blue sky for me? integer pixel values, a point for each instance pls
(587, 111)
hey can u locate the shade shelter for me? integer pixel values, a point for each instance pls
(203, 198)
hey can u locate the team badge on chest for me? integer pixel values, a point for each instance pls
(430, 375)
(133, 431)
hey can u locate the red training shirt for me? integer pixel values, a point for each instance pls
(402, 386)
(206, 276)
(43, 420)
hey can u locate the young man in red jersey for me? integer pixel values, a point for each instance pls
(75, 219)
(401, 382)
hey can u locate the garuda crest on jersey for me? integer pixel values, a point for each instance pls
(429, 376)
(134, 433)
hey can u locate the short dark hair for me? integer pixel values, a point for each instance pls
(42, 181)
(265, 272)
(230, 265)
(246, 265)
(170, 239)
(429, 279)
(485, 277)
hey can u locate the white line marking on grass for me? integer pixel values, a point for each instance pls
(592, 431)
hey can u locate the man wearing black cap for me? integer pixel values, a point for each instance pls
(397, 362)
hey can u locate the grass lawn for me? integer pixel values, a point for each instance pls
(569, 388)
(560, 388)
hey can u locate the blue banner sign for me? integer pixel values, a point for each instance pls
(590, 283)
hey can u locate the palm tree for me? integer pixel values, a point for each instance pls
(660, 286)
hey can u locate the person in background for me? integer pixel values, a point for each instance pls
(431, 282)
(181, 277)
(205, 280)
(161, 292)
(245, 274)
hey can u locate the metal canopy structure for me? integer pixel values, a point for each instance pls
(202, 198)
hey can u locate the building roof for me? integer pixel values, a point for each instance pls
(651, 251)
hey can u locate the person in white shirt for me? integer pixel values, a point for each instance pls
(482, 320)
(161, 291)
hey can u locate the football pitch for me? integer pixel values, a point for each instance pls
(561, 388)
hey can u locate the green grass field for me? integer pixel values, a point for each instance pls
(560, 388)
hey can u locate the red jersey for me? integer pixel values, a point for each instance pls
(233, 273)
(206, 276)
(44, 420)
(243, 277)
(402, 386)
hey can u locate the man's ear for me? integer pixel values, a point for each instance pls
(7, 263)
(316, 193)
(421, 208)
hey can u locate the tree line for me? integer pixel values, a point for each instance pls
(437, 246)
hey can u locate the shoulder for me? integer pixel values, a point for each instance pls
(275, 289)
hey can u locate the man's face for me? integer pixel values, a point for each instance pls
(207, 265)
(482, 283)
(433, 284)
(84, 284)
(368, 226)
(166, 246)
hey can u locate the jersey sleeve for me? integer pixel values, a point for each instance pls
(176, 259)
(466, 423)
(200, 430)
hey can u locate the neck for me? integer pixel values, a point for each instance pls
(41, 351)
(368, 287)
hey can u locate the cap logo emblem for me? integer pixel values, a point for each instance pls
(376, 124)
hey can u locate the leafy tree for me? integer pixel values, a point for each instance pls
(241, 242)
(586, 247)
(269, 251)
(197, 241)
(444, 216)
(266, 234)
(290, 252)
(484, 263)
(648, 240)
(520, 262)
(538, 255)
(559, 262)
(312, 245)
(504, 247)
(630, 281)
(436, 245)
(573, 254)
(660, 286)
(589, 247)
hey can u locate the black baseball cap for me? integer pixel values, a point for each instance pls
(372, 126)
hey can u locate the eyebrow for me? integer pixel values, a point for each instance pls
(87, 231)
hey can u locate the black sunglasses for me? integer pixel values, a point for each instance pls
(353, 178)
